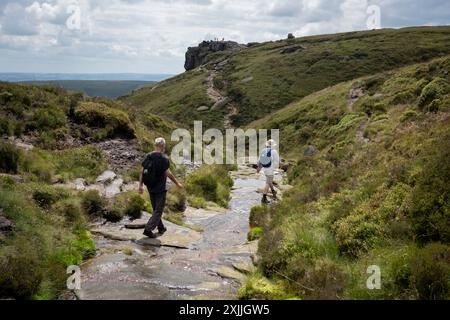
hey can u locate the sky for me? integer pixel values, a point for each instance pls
(151, 36)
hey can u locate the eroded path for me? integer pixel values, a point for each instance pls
(220, 101)
(182, 264)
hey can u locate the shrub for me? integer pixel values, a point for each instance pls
(135, 207)
(357, 232)
(434, 90)
(197, 202)
(84, 162)
(70, 209)
(259, 216)
(409, 115)
(113, 213)
(258, 287)
(211, 183)
(112, 121)
(93, 203)
(176, 200)
(431, 270)
(21, 271)
(46, 196)
(9, 158)
(48, 118)
(38, 164)
(429, 202)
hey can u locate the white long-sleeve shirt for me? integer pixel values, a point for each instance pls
(275, 162)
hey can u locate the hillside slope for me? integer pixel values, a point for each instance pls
(371, 187)
(265, 77)
(49, 138)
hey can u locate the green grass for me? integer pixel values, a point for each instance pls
(211, 183)
(279, 79)
(354, 203)
(178, 99)
(34, 256)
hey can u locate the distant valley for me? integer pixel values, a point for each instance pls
(106, 85)
(96, 88)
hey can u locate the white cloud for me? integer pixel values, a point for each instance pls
(152, 35)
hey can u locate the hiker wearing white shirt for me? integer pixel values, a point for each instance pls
(269, 160)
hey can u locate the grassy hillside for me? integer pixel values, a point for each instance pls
(268, 76)
(48, 228)
(53, 118)
(376, 191)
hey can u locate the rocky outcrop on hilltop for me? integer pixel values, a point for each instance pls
(197, 56)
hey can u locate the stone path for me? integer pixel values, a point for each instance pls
(181, 264)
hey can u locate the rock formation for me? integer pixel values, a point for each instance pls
(197, 56)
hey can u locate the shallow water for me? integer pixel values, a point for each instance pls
(126, 270)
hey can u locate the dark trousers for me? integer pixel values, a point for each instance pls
(158, 201)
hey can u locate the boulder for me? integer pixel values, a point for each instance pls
(291, 36)
(310, 151)
(5, 224)
(220, 104)
(114, 188)
(197, 56)
(105, 176)
(292, 49)
(203, 108)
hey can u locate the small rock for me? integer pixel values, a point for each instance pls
(105, 176)
(310, 151)
(5, 224)
(221, 103)
(114, 188)
(203, 108)
(248, 79)
(80, 184)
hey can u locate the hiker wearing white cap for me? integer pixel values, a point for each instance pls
(269, 160)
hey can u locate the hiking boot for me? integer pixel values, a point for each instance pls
(274, 193)
(162, 231)
(264, 200)
(149, 234)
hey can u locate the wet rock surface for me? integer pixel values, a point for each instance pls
(211, 264)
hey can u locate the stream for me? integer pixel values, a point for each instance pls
(181, 264)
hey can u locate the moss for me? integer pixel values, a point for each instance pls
(259, 287)
(255, 233)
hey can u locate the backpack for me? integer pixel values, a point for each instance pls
(266, 158)
(149, 173)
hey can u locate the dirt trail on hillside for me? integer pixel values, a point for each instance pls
(220, 101)
(354, 95)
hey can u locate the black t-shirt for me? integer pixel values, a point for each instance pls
(157, 164)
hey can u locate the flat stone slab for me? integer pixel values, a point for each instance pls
(244, 267)
(175, 236)
(230, 273)
(249, 247)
